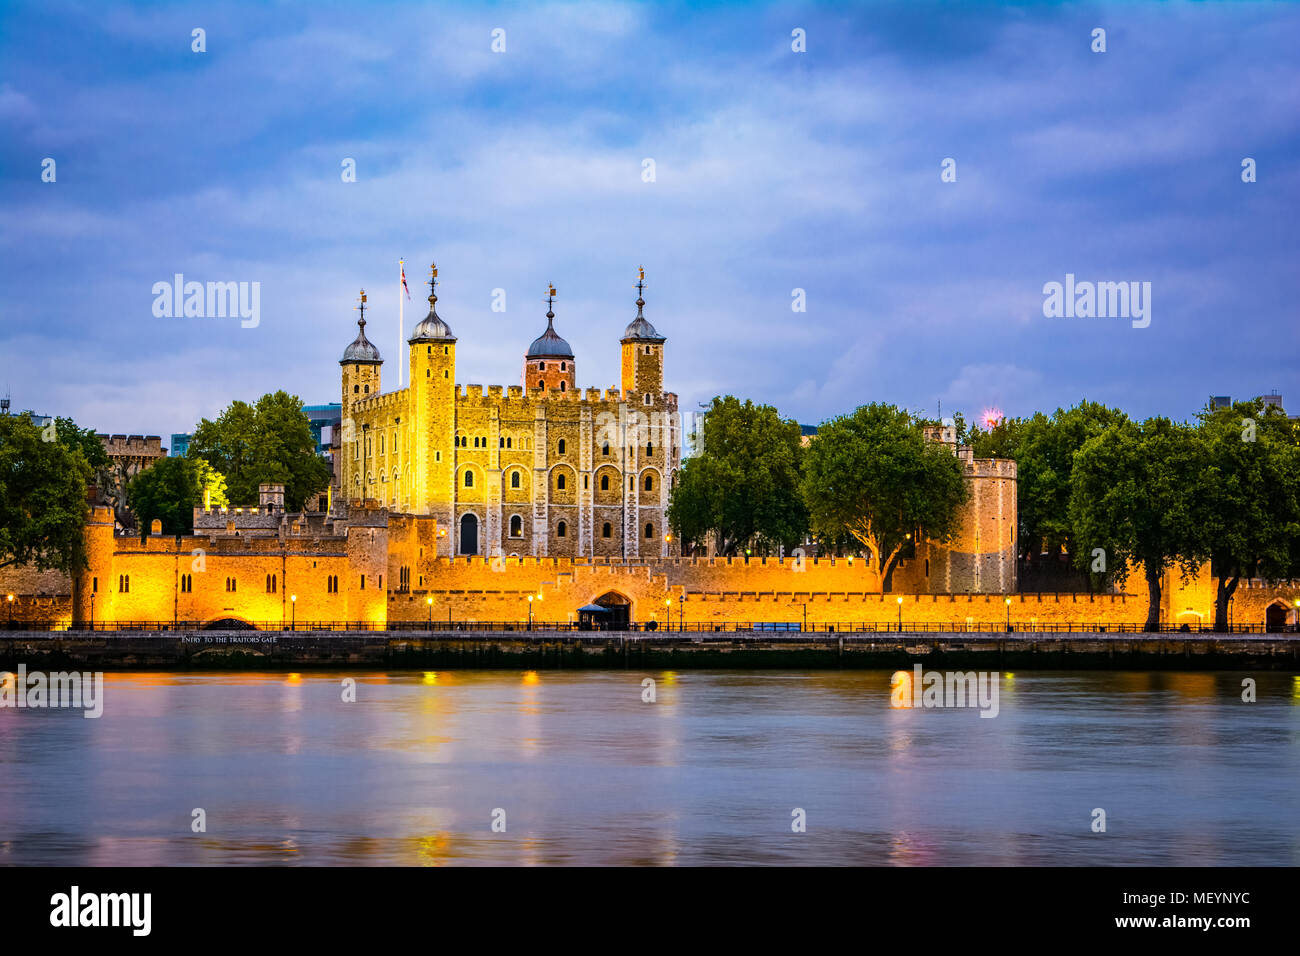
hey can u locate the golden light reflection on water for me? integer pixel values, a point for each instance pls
(1295, 688)
(435, 849)
(901, 697)
(530, 716)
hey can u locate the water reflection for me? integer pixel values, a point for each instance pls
(588, 770)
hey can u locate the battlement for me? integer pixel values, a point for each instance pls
(568, 564)
(132, 446)
(185, 547)
(382, 400)
(516, 401)
(990, 468)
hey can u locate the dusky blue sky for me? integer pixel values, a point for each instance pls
(775, 170)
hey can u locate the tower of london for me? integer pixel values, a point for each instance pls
(543, 468)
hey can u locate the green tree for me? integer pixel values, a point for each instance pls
(270, 441)
(84, 440)
(1247, 503)
(42, 497)
(998, 441)
(1132, 496)
(171, 490)
(1044, 449)
(873, 475)
(744, 484)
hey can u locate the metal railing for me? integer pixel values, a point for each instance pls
(750, 628)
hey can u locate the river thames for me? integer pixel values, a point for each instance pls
(580, 769)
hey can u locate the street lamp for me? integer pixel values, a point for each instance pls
(681, 618)
(429, 601)
(92, 610)
(530, 612)
(668, 614)
(1008, 615)
(10, 602)
(900, 615)
(293, 612)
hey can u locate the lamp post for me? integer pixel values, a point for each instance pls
(10, 602)
(429, 602)
(293, 612)
(900, 615)
(668, 614)
(1008, 615)
(530, 612)
(92, 610)
(805, 616)
(681, 614)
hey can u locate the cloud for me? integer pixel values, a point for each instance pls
(775, 171)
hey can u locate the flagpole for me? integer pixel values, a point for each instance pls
(401, 271)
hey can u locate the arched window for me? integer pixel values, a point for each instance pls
(540, 383)
(647, 350)
(560, 529)
(604, 449)
(649, 483)
(606, 531)
(647, 398)
(514, 479)
(559, 482)
(516, 526)
(541, 366)
(469, 479)
(367, 389)
(559, 447)
(649, 531)
(604, 482)
(469, 533)
(356, 389)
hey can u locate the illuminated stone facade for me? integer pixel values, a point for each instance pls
(541, 468)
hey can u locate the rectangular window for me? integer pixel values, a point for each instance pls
(94, 585)
(363, 582)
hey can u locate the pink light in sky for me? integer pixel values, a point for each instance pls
(991, 417)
